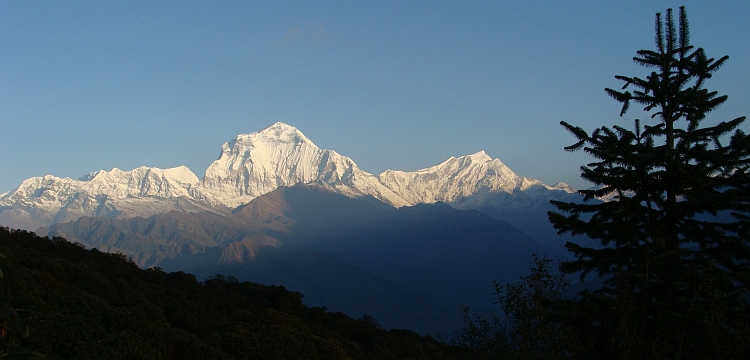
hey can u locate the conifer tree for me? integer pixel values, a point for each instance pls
(672, 239)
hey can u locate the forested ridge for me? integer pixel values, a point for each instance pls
(62, 301)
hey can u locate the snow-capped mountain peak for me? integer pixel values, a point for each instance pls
(564, 187)
(276, 134)
(455, 178)
(478, 157)
(44, 200)
(282, 132)
(280, 155)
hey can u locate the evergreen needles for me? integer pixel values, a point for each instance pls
(672, 242)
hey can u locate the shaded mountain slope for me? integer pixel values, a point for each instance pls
(443, 253)
(65, 302)
(148, 241)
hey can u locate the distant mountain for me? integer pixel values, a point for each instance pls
(458, 178)
(280, 155)
(479, 182)
(255, 164)
(409, 267)
(144, 191)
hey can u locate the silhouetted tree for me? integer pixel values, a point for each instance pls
(531, 322)
(673, 235)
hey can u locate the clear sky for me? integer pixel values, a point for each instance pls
(89, 85)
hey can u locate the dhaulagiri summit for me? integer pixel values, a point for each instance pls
(251, 165)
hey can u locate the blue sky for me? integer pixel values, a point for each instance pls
(89, 85)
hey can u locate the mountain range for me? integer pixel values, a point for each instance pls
(405, 247)
(255, 164)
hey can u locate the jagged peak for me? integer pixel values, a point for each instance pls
(115, 171)
(45, 178)
(279, 127)
(92, 175)
(277, 133)
(180, 173)
(479, 156)
(564, 187)
(463, 161)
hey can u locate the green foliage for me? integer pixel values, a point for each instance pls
(14, 327)
(481, 335)
(673, 240)
(85, 304)
(534, 322)
(532, 310)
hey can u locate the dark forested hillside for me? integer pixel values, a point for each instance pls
(62, 301)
